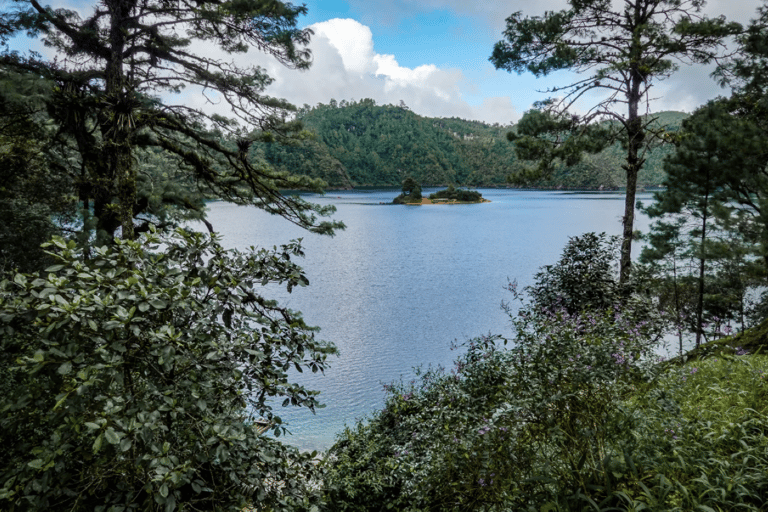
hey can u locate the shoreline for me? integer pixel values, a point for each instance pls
(426, 200)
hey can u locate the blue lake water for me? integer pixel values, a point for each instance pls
(401, 283)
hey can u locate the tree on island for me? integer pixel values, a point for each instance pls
(619, 51)
(411, 192)
(411, 188)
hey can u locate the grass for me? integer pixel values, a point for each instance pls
(705, 430)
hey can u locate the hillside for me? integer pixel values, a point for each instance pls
(364, 144)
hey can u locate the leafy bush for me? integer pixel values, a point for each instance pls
(577, 414)
(585, 277)
(137, 376)
(703, 440)
(507, 429)
(454, 194)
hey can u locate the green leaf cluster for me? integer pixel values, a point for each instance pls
(132, 160)
(578, 414)
(134, 379)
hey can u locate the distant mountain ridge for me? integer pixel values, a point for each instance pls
(364, 144)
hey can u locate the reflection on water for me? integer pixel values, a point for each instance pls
(401, 283)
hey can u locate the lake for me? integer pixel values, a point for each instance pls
(401, 283)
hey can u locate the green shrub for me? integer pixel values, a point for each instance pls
(138, 375)
(542, 423)
(461, 195)
(577, 414)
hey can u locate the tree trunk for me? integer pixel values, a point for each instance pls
(116, 123)
(702, 268)
(635, 137)
(677, 301)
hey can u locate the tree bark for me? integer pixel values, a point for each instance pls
(116, 122)
(635, 137)
(702, 268)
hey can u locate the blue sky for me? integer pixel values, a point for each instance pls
(419, 33)
(433, 54)
(458, 36)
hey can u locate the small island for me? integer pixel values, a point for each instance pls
(412, 195)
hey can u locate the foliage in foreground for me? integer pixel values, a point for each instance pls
(597, 439)
(132, 379)
(577, 415)
(506, 429)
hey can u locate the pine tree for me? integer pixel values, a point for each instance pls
(620, 51)
(111, 73)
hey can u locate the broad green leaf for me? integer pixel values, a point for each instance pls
(36, 464)
(65, 368)
(60, 401)
(158, 303)
(112, 436)
(97, 443)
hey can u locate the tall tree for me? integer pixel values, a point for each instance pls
(695, 188)
(743, 136)
(35, 199)
(620, 50)
(717, 180)
(112, 69)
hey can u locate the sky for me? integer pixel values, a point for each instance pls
(433, 55)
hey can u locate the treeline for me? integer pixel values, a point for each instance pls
(359, 143)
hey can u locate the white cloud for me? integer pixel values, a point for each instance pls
(352, 41)
(346, 66)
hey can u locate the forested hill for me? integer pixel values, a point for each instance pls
(361, 143)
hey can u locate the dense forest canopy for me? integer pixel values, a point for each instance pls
(359, 143)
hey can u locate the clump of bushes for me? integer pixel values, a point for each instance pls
(411, 192)
(461, 195)
(132, 379)
(576, 413)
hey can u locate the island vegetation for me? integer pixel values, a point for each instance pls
(141, 362)
(359, 143)
(457, 195)
(451, 195)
